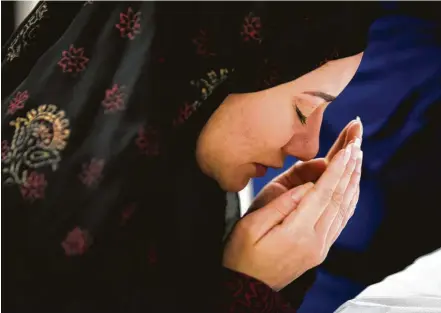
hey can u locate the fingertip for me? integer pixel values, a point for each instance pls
(301, 190)
(308, 185)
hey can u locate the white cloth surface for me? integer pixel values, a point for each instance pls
(416, 289)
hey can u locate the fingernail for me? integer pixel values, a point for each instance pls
(359, 160)
(347, 154)
(299, 192)
(355, 149)
(357, 142)
(358, 119)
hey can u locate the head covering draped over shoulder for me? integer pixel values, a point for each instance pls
(102, 103)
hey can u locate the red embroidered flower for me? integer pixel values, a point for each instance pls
(251, 28)
(114, 100)
(5, 149)
(184, 113)
(18, 102)
(34, 186)
(148, 141)
(77, 241)
(129, 24)
(73, 60)
(127, 213)
(92, 171)
(201, 42)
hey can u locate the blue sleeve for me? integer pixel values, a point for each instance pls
(395, 87)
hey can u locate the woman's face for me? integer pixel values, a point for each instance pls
(253, 131)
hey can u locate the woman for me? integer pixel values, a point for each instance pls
(105, 105)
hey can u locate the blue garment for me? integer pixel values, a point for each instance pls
(397, 93)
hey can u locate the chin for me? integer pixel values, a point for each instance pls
(233, 185)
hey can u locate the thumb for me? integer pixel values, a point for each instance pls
(264, 219)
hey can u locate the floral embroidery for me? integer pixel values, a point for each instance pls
(205, 87)
(18, 102)
(127, 213)
(201, 42)
(73, 60)
(184, 113)
(77, 241)
(92, 172)
(129, 24)
(114, 100)
(27, 32)
(251, 28)
(148, 141)
(34, 186)
(5, 150)
(37, 142)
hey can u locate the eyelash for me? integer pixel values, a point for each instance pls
(301, 116)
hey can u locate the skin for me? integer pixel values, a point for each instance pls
(264, 127)
(295, 219)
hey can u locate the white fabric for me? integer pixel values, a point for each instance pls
(417, 289)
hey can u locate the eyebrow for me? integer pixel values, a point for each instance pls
(320, 94)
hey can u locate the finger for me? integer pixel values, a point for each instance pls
(302, 173)
(263, 220)
(340, 142)
(354, 202)
(351, 212)
(346, 209)
(336, 211)
(353, 130)
(314, 203)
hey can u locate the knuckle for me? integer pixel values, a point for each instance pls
(342, 214)
(327, 194)
(337, 197)
(244, 227)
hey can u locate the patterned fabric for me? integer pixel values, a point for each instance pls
(106, 208)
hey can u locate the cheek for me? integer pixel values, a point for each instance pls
(271, 125)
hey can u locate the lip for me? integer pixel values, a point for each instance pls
(260, 169)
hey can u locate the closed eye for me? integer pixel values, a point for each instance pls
(301, 116)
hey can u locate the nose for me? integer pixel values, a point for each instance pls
(302, 148)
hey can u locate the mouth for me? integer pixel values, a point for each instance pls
(260, 169)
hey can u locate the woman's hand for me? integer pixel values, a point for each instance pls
(310, 171)
(293, 233)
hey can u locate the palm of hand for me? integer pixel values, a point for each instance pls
(302, 172)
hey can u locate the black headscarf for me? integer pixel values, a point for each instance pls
(104, 206)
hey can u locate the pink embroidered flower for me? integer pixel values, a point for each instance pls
(92, 172)
(77, 241)
(184, 113)
(129, 24)
(114, 100)
(251, 28)
(127, 213)
(73, 60)
(18, 102)
(34, 186)
(201, 42)
(5, 149)
(148, 141)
